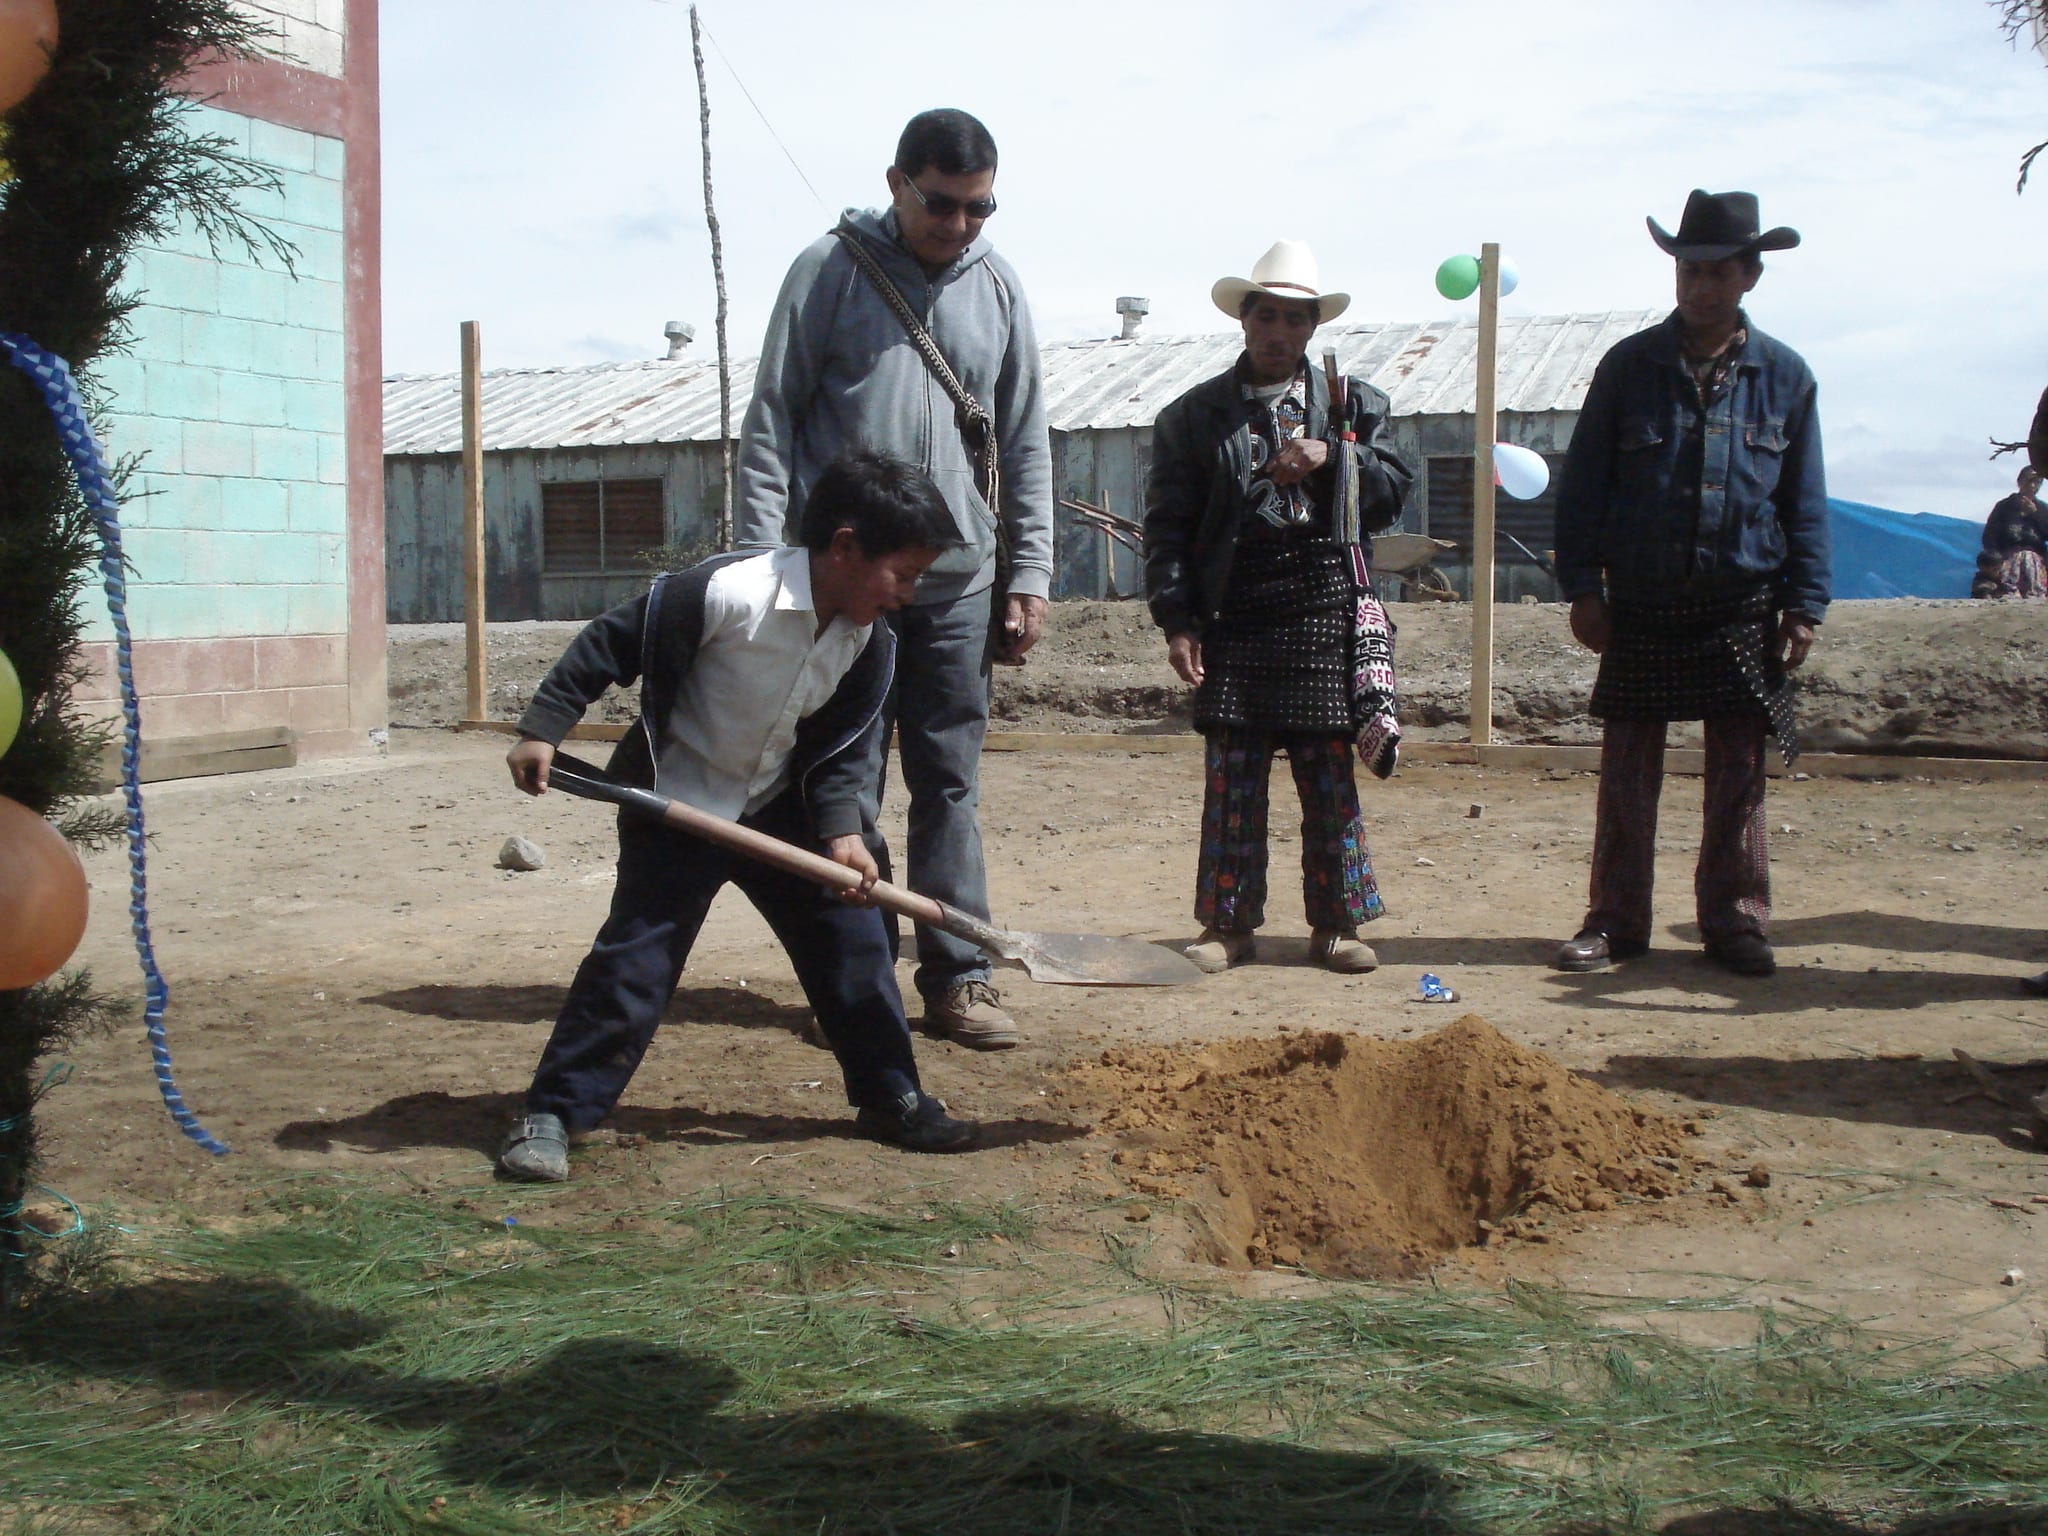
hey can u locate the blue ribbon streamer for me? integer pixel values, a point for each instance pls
(52, 377)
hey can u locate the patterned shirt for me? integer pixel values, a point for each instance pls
(1280, 416)
(1710, 373)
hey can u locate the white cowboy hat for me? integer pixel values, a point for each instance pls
(1287, 271)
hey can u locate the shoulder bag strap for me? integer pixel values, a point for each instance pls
(977, 427)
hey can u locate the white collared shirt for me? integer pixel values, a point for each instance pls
(761, 666)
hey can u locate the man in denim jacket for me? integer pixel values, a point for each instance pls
(1692, 544)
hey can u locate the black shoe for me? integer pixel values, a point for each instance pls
(1592, 950)
(918, 1122)
(2035, 986)
(1746, 954)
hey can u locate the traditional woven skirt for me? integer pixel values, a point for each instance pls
(2023, 573)
(1278, 657)
(1690, 659)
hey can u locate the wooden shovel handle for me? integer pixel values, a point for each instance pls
(580, 778)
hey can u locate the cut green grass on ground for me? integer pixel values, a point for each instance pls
(367, 1363)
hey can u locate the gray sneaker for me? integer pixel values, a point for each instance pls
(537, 1150)
(970, 1013)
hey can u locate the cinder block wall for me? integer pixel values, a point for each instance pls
(237, 393)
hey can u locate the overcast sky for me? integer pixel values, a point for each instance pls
(542, 175)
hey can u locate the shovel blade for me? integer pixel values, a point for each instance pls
(1097, 960)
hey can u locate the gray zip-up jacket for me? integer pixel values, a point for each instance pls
(838, 372)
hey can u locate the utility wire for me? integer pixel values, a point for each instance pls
(736, 80)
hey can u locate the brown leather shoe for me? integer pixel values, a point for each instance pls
(1746, 954)
(970, 1013)
(1592, 950)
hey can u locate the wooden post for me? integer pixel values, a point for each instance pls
(473, 516)
(726, 445)
(1108, 554)
(1483, 429)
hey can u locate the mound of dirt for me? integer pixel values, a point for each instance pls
(1905, 676)
(1370, 1158)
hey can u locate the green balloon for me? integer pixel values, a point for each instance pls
(1458, 277)
(10, 703)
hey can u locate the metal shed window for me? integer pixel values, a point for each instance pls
(598, 525)
(1450, 510)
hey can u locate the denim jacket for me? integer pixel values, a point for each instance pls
(1667, 505)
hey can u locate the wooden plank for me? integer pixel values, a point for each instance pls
(1507, 756)
(1483, 427)
(473, 609)
(1087, 741)
(598, 730)
(1540, 758)
(191, 757)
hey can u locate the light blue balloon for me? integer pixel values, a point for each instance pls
(1510, 275)
(1522, 472)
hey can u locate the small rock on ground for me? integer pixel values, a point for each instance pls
(522, 854)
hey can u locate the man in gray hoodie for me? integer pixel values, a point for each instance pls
(838, 371)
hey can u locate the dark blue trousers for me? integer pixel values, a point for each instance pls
(666, 882)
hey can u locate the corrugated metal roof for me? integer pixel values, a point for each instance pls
(1545, 364)
(590, 407)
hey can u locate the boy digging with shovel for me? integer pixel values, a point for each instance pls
(762, 680)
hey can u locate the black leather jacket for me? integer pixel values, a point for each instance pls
(1200, 488)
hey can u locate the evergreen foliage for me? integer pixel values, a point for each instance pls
(103, 162)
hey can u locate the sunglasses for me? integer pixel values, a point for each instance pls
(940, 206)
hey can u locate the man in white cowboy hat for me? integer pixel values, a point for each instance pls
(1263, 490)
(1692, 543)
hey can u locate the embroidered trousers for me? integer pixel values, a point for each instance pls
(1732, 882)
(1337, 887)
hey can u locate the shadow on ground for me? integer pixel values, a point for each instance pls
(623, 1417)
(478, 1122)
(539, 1004)
(1934, 1094)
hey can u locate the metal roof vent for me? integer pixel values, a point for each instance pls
(1133, 312)
(679, 338)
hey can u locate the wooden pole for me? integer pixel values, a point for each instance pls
(473, 516)
(1483, 428)
(1108, 554)
(725, 442)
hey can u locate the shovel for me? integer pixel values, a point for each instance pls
(1072, 959)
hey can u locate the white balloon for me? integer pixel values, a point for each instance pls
(1522, 472)
(1510, 275)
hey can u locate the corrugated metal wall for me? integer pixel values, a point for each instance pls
(423, 516)
(423, 528)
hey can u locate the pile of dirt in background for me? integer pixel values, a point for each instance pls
(1348, 1155)
(1959, 678)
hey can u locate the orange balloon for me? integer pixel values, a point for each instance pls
(42, 897)
(28, 38)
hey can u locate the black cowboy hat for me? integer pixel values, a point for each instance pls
(1718, 225)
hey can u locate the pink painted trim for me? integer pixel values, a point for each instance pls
(280, 93)
(363, 335)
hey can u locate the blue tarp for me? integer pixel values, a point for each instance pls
(1881, 553)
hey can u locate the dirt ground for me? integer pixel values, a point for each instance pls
(358, 989)
(1938, 678)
